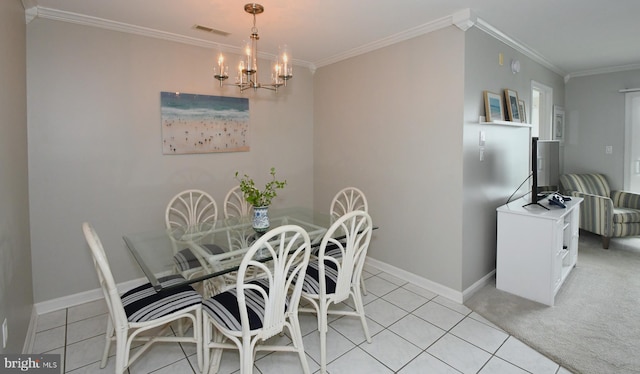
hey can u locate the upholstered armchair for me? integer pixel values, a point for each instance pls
(612, 214)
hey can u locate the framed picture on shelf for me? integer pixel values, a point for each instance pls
(513, 110)
(523, 111)
(493, 107)
(558, 123)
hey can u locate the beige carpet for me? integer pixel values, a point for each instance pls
(595, 325)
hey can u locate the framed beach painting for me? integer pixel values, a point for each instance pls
(493, 107)
(523, 111)
(193, 123)
(513, 111)
(558, 123)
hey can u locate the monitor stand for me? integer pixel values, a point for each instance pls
(536, 203)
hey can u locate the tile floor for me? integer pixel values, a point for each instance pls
(413, 330)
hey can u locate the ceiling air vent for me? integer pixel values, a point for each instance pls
(211, 30)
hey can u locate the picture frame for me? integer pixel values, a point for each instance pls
(523, 111)
(511, 102)
(558, 123)
(196, 123)
(493, 106)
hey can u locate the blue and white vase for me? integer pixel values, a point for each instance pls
(261, 219)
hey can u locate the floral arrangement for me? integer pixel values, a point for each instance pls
(256, 197)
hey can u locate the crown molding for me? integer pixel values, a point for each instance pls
(393, 39)
(518, 46)
(82, 19)
(607, 70)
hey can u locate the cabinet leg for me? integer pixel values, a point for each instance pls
(605, 242)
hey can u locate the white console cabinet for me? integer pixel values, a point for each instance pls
(537, 248)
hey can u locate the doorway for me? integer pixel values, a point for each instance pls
(541, 110)
(632, 142)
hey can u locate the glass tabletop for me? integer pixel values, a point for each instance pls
(215, 249)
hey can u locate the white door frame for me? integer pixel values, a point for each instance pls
(544, 129)
(631, 158)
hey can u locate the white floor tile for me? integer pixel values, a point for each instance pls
(418, 331)
(351, 328)
(85, 352)
(181, 367)
(50, 320)
(426, 363)
(479, 334)
(420, 291)
(337, 345)
(90, 309)
(405, 299)
(439, 315)
(460, 308)
(413, 331)
(156, 357)
(522, 355)
(461, 355)
(357, 361)
(283, 362)
(49, 340)
(383, 312)
(87, 328)
(392, 350)
(496, 365)
(379, 286)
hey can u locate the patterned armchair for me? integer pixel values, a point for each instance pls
(612, 214)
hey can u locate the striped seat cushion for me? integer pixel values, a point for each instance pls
(224, 308)
(311, 283)
(186, 260)
(144, 303)
(626, 215)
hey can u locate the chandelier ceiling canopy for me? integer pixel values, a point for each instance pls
(247, 75)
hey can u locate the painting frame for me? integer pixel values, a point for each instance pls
(511, 102)
(523, 110)
(199, 123)
(558, 123)
(493, 108)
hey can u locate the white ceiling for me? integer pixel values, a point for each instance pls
(573, 37)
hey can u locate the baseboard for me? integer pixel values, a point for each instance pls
(82, 297)
(470, 291)
(432, 286)
(31, 332)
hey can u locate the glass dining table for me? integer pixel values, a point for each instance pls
(218, 247)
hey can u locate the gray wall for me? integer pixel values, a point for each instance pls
(95, 150)
(595, 118)
(16, 291)
(390, 123)
(489, 183)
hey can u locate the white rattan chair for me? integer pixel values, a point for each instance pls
(187, 209)
(258, 308)
(347, 200)
(333, 280)
(235, 204)
(137, 311)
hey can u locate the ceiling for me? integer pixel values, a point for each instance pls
(572, 37)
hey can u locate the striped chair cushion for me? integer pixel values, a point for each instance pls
(626, 215)
(595, 184)
(311, 283)
(224, 308)
(143, 303)
(186, 260)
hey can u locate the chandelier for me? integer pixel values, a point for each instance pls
(247, 76)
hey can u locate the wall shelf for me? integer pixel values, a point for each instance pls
(506, 123)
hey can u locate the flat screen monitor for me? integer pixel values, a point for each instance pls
(548, 165)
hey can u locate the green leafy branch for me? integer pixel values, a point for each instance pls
(257, 197)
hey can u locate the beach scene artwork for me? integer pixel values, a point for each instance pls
(194, 123)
